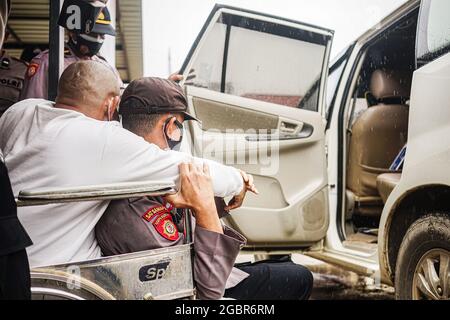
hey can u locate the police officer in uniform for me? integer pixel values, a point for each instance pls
(12, 77)
(150, 223)
(14, 267)
(80, 46)
(155, 109)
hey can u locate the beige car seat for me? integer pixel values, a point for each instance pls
(377, 136)
(386, 182)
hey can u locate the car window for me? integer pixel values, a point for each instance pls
(434, 31)
(207, 70)
(333, 80)
(260, 60)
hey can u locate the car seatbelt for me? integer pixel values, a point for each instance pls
(397, 164)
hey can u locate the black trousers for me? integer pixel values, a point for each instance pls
(15, 276)
(273, 280)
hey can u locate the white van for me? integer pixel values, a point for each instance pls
(336, 184)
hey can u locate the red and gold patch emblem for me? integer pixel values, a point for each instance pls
(165, 227)
(32, 69)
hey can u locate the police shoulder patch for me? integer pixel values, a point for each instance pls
(154, 211)
(32, 69)
(165, 227)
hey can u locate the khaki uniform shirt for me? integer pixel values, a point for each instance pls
(36, 82)
(150, 223)
(12, 77)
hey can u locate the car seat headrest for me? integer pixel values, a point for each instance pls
(391, 84)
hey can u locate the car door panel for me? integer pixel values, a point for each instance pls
(261, 128)
(290, 214)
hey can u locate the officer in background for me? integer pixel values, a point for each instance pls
(80, 46)
(12, 77)
(14, 267)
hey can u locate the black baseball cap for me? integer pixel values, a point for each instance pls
(151, 95)
(95, 17)
(103, 24)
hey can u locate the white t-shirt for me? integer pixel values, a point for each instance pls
(49, 147)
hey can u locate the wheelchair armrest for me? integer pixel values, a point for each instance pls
(125, 190)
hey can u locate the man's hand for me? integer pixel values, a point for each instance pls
(249, 185)
(196, 193)
(176, 77)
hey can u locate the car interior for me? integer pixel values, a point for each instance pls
(377, 128)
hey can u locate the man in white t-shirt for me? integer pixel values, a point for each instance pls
(71, 143)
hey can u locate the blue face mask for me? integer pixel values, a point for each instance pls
(173, 144)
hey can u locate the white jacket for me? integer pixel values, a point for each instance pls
(45, 147)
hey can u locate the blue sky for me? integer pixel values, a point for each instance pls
(170, 26)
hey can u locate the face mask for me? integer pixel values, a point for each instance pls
(171, 143)
(92, 43)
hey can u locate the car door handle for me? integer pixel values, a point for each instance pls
(306, 132)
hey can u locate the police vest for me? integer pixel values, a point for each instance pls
(12, 77)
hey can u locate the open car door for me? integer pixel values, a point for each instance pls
(257, 83)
